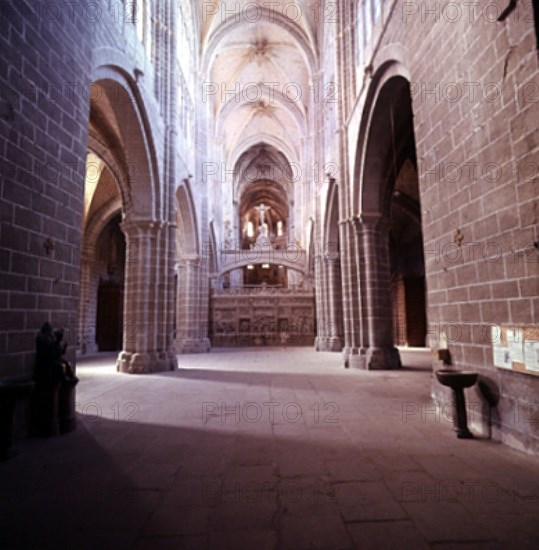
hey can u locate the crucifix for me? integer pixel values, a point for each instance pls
(262, 209)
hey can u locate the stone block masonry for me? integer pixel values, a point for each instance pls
(43, 149)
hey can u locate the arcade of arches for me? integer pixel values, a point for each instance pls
(311, 173)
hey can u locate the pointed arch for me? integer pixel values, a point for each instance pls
(116, 96)
(388, 70)
(331, 221)
(212, 251)
(386, 139)
(187, 226)
(289, 153)
(311, 247)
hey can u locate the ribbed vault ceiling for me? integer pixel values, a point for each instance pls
(258, 60)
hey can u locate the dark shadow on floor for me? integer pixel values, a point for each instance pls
(231, 484)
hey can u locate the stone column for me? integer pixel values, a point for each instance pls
(320, 302)
(354, 350)
(143, 345)
(334, 298)
(377, 311)
(192, 320)
(164, 304)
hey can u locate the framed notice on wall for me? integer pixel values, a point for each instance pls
(516, 348)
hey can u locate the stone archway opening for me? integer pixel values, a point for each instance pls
(263, 219)
(110, 292)
(107, 198)
(126, 243)
(392, 274)
(102, 261)
(264, 295)
(264, 225)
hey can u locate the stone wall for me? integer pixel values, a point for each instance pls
(53, 51)
(43, 127)
(473, 81)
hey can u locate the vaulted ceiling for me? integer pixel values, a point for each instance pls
(260, 57)
(212, 13)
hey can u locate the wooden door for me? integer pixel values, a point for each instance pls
(109, 322)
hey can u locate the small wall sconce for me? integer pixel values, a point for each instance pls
(48, 245)
(458, 237)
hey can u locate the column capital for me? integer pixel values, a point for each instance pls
(368, 220)
(191, 260)
(134, 227)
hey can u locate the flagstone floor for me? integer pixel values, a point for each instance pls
(265, 448)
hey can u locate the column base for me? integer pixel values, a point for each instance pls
(319, 344)
(334, 344)
(192, 345)
(353, 358)
(89, 349)
(146, 363)
(329, 344)
(383, 359)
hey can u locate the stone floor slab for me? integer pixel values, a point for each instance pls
(314, 532)
(367, 501)
(390, 535)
